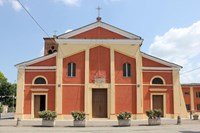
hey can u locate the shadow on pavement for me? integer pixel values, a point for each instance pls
(190, 131)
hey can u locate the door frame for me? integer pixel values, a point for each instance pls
(164, 101)
(32, 102)
(107, 102)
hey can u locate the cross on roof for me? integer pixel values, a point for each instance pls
(98, 9)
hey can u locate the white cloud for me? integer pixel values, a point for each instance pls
(181, 46)
(70, 2)
(16, 5)
(42, 51)
(2, 2)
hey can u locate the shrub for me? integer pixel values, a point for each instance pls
(78, 115)
(157, 113)
(124, 116)
(153, 114)
(1, 109)
(48, 115)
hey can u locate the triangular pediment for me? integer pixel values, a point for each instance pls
(47, 60)
(99, 30)
(152, 61)
(98, 33)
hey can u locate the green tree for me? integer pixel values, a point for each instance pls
(7, 91)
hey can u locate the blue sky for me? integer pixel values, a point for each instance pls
(170, 28)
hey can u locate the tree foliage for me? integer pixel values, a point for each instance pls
(7, 91)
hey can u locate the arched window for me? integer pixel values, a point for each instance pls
(126, 70)
(40, 80)
(71, 69)
(157, 80)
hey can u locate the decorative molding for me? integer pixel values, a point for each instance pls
(52, 70)
(40, 67)
(38, 89)
(102, 25)
(159, 68)
(157, 76)
(158, 90)
(161, 61)
(98, 41)
(36, 60)
(39, 76)
(149, 71)
(40, 84)
(164, 101)
(158, 85)
(32, 101)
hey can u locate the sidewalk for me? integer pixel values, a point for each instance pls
(93, 123)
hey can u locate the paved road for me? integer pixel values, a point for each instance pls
(184, 128)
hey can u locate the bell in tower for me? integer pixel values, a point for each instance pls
(50, 46)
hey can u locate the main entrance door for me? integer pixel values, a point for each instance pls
(158, 102)
(99, 103)
(39, 104)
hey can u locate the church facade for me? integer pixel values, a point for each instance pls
(98, 69)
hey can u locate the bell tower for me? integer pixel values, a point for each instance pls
(50, 46)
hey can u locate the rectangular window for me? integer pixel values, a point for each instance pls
(74, 70)
(71, 69)
(198, 106)
(188, 106)
(127, 70)
(186, 93)
(124, 70)
(198, 94)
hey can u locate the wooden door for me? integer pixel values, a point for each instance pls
(99, 103)
(158, 102)
(39, 104)
(36, 105)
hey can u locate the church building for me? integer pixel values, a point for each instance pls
(98, 69)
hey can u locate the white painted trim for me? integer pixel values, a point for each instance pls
(161, 61)
(157, 76)
(39, 67)
(32, 102)
(98, 41)
(164, 101)
(39, 76)
(44, 70)
(157, 89)
(150, 71)
(108, 100)
(23, 64)
(39, 89)
(102, 25)
(159, 85)
(159, 68)
(40, 84)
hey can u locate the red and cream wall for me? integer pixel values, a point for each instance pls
(97, 51)
(66, 94)
(75, 93)
(191, 93)
(26, 89)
